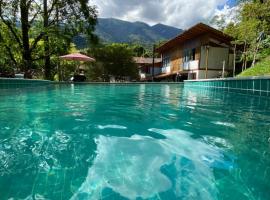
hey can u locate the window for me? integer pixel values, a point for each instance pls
(193, 52)
(186, 55)
(166, 62)
(189, 55)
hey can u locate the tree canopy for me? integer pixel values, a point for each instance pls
(34, 32)
(251, 30)
(114, 60)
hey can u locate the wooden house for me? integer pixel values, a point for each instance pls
(200, 52)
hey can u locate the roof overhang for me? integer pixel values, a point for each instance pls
(195, 31)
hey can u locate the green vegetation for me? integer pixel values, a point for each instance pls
(119, 31)
(112, 60)
(34, 33)
(260, 69)
(251, 31)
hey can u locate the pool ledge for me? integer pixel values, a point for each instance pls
(116, 83)
(9, 83)
(228, 79)
(259, 85)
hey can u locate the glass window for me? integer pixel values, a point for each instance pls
(166, 61)
(189, 55)
(193, 52)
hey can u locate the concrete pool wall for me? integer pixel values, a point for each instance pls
(248, 85)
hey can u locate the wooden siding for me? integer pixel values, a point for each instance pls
(176, 58)
(194, 32)
(176, 54)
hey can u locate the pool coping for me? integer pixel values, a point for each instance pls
(257, 85)
(230, 78)
(116, 83)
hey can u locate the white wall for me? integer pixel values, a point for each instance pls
(191, 65)
(200, 74)
(216, 57)
(231, 59)
(210, 74)
(166, 70)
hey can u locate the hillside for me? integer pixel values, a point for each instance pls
(262, 68)
(114, 30)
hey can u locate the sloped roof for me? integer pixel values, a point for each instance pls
(197, 30)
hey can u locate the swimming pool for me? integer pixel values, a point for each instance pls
(133, 142)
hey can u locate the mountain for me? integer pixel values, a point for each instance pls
(114, 30)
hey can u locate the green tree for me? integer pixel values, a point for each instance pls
(115, 60)
(138, 50)
(8, 48)
(253, 20)
(29, 22)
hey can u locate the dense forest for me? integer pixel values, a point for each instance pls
(111, 30)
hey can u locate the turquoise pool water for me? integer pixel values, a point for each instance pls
(133, 142)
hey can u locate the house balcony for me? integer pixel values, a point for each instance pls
(166, 70)
(142, 75)
(191, 65)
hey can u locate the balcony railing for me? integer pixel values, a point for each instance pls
(191, 65)
(166, 70)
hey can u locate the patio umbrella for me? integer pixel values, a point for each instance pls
(77, 57)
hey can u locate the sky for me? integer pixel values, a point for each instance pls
(177, 13)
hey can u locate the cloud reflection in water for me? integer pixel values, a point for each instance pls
(141, 166)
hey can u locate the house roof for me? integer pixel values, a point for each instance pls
(197, 30)
(142, 60)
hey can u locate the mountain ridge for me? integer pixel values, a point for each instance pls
(111, 30)
(128, 32)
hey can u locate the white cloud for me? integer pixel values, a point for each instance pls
(178, 13)
(229, 14)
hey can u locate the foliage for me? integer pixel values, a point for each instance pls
(42, 30)
(8, 48)
(114, 60)
(248, 29)
(261, 68)
(138, 50)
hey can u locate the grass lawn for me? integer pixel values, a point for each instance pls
(260, 69)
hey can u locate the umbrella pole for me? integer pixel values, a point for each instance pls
(78, 66)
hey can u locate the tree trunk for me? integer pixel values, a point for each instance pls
(26, 53)
(234, 59)
(153, 63)
(244, 56)
(47, 60)
(255, 53)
